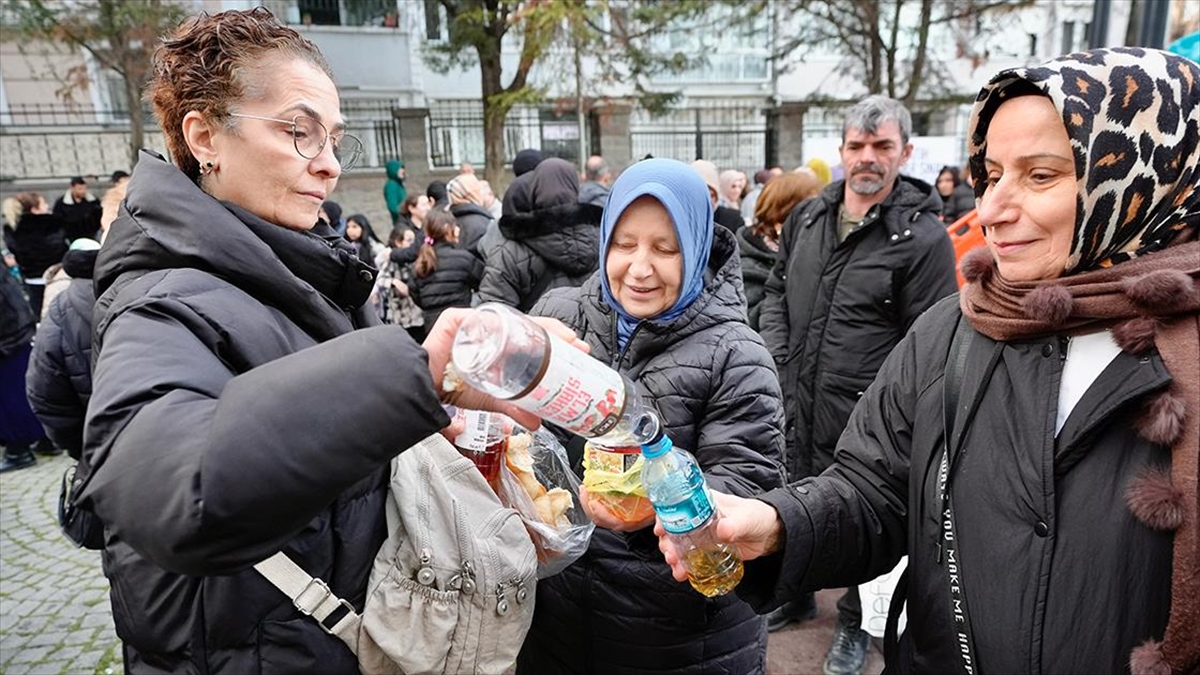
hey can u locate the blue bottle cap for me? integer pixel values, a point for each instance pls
(657, 447)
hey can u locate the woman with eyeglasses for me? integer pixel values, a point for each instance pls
(246, 399)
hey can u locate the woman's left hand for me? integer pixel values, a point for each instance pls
(437, 345)
(603, 517)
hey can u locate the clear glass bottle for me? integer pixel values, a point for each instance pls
(681, 498)
(506, 354)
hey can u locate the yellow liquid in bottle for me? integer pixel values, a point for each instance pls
(713, 572)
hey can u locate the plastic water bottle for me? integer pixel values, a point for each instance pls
(681, 498)
(506, 354)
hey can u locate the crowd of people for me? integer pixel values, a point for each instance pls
(1030, 444)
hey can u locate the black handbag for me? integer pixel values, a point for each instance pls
(80, 525)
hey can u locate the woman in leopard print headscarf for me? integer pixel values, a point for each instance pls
(1052, 528)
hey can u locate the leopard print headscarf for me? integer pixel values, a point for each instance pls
(1133, 117)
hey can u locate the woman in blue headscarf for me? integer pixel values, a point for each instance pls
(666, 307)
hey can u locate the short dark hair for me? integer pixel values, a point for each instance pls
(209, 63)
(77, 180)
(118, 175)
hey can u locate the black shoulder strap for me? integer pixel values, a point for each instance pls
(956, 364)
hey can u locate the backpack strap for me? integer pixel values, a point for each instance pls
(312, 597)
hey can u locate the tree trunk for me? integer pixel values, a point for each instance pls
(892, 48)
(916, 79)
(137, 121)
(875, 74)
(494, 115)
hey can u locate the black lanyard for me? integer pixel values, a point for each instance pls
(947, 542)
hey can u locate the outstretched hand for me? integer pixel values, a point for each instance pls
(437, 345)
(751, 526)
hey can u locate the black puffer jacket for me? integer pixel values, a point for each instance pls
(37, 243)
(228, 421)
(59, 380)
(757, 261)
(17, 322)
(550, 239)
(1058, 575)
(450, 285)
(833, 311)
(473, 221)
(617, 610)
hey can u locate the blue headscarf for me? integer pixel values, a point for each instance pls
(685, 196)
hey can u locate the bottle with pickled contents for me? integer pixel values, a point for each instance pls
(502, 352)
(681, 498)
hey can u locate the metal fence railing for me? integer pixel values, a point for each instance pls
(732, 136)
(43, 141)
(456, 132)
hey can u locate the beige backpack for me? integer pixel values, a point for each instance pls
(452, 590)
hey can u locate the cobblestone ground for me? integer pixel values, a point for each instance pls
(54, 610)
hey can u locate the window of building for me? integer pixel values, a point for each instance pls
(338, 12)
(435, 21)
(1068, 37)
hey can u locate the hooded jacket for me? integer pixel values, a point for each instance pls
(473, 221)
(550, 239)
(834, 310)
(59, 380)
(394, 192)
(757, 261)
(618, 610)
(227, 422)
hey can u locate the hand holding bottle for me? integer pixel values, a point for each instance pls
(438, 343)
(751, 526)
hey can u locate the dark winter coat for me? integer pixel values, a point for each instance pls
(757, 261)
(228, 421)
(1032, 512)
(617, 610)
(591, 192)
(473, 223)
(17, 322)
(958, 204)
(80, 219)
(544, 249)
(38, 242)
(833, 311)
(450, 285)
(729, 218)
(59, 379)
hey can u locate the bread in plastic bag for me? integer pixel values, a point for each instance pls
(536, 481)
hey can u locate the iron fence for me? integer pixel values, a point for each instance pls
(50, 141)
(732, 136)
(456, 133)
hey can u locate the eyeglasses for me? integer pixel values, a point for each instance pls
(310, 136)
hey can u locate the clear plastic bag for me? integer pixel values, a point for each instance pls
(536, 480)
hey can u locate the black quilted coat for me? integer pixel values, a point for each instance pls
(617, 610)
(550, 239)
(59, 380)
(229, 420)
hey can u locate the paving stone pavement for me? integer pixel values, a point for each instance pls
(54, 610)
